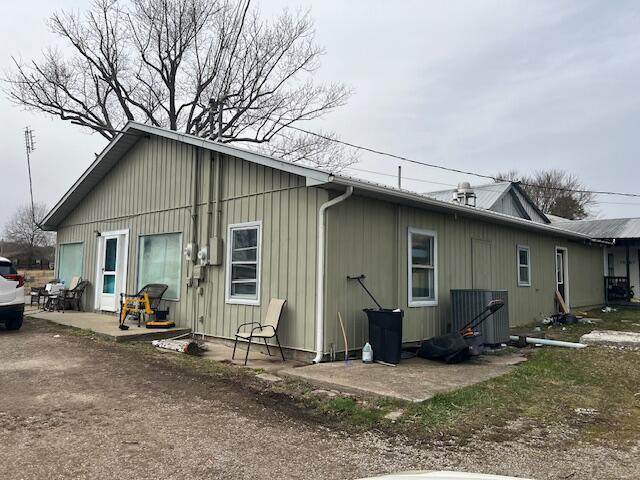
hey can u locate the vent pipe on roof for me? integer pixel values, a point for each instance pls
(464, 195)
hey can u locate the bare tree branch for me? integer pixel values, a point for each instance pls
(554, 192)
(162, 61)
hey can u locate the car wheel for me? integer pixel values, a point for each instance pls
(14, 323)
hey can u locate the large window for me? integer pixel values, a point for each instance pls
(160, 261)
(422, 268)
(70, 260)
(524, 266)
(243, 263)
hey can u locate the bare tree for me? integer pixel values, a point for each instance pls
(23, 230)
(555, 192)
(163, 62)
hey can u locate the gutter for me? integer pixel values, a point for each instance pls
(320, 272)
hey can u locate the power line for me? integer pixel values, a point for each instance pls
(455, 170)
(484, 187)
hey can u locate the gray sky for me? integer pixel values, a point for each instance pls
(478, 85)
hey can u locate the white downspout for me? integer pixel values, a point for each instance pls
(320, 273)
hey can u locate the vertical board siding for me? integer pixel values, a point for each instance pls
(370, 236)
(149, 191)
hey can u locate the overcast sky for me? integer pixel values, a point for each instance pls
(478, 85)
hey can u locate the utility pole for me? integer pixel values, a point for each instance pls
(399, 177)
(30, 146)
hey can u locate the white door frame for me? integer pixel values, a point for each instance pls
(565, 273)
(125, 262)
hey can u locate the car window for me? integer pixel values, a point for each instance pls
(7, 269)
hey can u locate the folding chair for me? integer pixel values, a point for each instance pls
(265, 330)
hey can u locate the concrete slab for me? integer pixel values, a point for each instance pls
(106, 325)
(414, 380)
(612, 338)
(220, 351)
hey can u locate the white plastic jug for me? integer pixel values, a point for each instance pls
(367, 353)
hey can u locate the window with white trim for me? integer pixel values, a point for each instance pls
(243, 263)
(524, 266)
(422, 268)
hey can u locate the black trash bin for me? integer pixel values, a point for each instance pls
(385, 334)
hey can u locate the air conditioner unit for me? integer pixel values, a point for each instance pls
(468, 303)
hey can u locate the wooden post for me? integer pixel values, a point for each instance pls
(628, 275)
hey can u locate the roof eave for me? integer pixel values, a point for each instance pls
(494, 217)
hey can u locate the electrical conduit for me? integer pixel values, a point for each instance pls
(320, 272)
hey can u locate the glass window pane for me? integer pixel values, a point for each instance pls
(245, 238)
(524, 257)
(422, 284)
(524, 274)
(70, 261)
(109, 284)
(244, 289)
(243, 272)
(559, 267)
(110, 253)
(160, 261)
(245, 255)
(421, 250)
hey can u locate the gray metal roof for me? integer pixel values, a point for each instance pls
(486, 195)
(606, 228)
(133, 131)
(420, 200)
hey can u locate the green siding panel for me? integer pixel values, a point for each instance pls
(149, 191)
(367, 236)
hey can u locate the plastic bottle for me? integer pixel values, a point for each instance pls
(367, 353)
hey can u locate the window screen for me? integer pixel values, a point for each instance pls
(70, 261)
(243, 273)
(524, 267)
(160, 261)
(422, 268)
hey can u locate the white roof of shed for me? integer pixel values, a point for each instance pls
(605, 228)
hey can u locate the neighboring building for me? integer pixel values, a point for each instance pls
(228, 229)
(621, 260)
(502, 197)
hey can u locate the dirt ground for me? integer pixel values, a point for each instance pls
(77, 407)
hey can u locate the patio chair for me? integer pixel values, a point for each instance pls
(73, 296)
(39, 294)
(266, 330)
(145, 302)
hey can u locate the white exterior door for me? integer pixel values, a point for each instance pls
(112, 269)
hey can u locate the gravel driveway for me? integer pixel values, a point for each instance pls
(73, 407)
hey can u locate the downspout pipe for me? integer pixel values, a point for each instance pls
(320, 272)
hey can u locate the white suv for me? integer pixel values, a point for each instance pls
(11, 295)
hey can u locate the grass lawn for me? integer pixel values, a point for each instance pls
(548, 389)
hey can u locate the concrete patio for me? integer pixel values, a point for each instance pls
(415, 379)
(104, 324)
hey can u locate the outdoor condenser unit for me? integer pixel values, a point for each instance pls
(466, 304)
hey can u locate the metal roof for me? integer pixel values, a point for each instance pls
(133, 131)
(486, 195)
(420, 200)
(606, 228)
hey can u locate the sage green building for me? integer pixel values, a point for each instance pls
(228, 229)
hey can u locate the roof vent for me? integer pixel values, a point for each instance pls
(464, 195)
